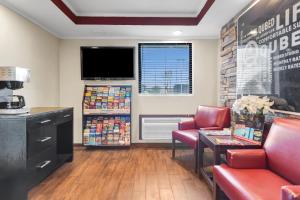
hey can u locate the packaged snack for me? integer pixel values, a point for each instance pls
(92, 140)
(98, 139)
(110, 138)
(86, 138)
(116, 138)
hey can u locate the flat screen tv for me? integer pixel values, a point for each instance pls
(100, 63)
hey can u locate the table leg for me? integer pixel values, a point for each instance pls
(216, 189)
(217, 193)
(201, 147)
(173, 148)
(196, 152)
(217, 157)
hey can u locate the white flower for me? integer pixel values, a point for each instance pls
(252, 104)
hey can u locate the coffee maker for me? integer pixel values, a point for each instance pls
(12, 78)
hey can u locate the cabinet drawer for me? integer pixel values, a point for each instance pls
(40, 121)
(64, 116)
(40, 166)
(40, 139)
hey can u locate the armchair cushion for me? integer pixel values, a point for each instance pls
(249, 184)
(210, 116)
(282, 149)
(190, 137)
(246, 158)
(186, 125)
(207, 118)
(291, 192)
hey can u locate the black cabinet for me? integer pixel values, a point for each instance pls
(41, 138)
(32, 146)
(64, 129)
(41, 165)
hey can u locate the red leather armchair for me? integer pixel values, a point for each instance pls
(271, 173)
(206, 117)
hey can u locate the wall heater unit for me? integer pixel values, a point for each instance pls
(159, 127)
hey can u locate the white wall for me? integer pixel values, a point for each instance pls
(55, 65)
(25, 44)
(205, 73)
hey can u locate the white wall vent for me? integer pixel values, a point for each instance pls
(159, 127)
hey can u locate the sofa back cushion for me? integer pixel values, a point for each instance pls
(209, 116)
(283, 149)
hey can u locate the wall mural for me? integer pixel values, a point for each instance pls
(268, 54)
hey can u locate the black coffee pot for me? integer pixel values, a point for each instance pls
(16, 102)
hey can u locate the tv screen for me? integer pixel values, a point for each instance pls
(107, 63)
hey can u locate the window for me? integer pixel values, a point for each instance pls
(165, 68)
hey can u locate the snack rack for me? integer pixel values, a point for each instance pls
(106, 118)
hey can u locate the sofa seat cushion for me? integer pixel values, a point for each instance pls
(249, 184)
(189, 137)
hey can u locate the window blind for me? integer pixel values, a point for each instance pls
(165, 68)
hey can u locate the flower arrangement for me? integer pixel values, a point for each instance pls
(253, 105)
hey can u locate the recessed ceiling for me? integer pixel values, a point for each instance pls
(136, 8)
(48, 16)
(133, 15)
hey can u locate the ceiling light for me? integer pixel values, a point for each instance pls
(177, 33)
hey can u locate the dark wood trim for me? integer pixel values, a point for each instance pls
(66, 10)
(166, 21)
(78, 145)
(155, 116)
(204, 10)
(167, 115)
(146, 145)
(159, 145)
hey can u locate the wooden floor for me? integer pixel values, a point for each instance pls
(134, 174)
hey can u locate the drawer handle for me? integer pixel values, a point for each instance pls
(67, 116)
(44, 164)
(45, 121)
(45, 139)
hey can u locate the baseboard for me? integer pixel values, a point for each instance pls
(77, 145)
(158, 145)
(149, 145)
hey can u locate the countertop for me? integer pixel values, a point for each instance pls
(37, 111)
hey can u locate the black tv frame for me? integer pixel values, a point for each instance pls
(107, 78)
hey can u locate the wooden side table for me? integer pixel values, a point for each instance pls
(211, 142)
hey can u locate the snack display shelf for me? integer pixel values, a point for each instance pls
(106, 114)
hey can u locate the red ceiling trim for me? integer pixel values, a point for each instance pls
(167, 21)
(204, 10)
(136, 20)
(65, 9)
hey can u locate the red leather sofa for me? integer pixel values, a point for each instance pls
(271, 173)
(207, 118)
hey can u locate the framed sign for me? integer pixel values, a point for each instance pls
(268, 53)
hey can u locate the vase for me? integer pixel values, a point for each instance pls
(248, 126)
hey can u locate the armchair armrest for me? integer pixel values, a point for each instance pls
(186, 125)
(211, 128)
(247, 158)
(291, 192)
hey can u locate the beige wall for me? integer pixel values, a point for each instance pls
(55, 65)
(204, 82)
(25, 44)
